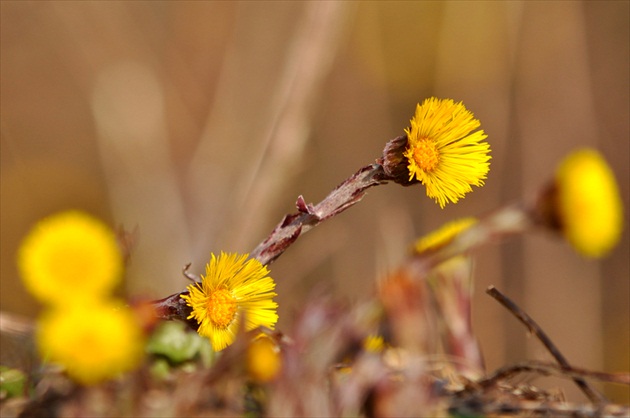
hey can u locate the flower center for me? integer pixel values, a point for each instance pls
(426, 155)
(221, 307)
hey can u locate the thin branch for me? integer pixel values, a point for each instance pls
(555, 370)
(174, 307)
(187, 274)
(534, 328)
(482, 406)
(347, 194)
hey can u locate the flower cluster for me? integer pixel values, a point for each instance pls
(417, 331)
(71, 262)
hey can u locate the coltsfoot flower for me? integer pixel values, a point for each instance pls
(442, 236)
(70, 256)
(440, 151)
(93, 342)
(233, 287)
(374, 343)
(588, 207)
(264, 360)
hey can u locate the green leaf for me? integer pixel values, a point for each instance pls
(173, 341)
(12, 382)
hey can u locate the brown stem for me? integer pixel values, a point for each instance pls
(534, 328)
(347, 194)
(189, 275)
(174, 307)
(553, 369)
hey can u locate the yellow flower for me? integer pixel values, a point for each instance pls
(442, 153)
(263, 359)
(588, 203)
(443, 235)
(94, 342)
(374, 343)
(233, 287)
(69, 256)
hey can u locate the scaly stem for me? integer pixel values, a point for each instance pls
(347, 194)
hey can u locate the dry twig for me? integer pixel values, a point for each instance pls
(555, 370)
(534, 328)
(347, 194)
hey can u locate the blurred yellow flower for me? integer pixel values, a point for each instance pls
(93, 342)
(374, 343)
(69, 256)
(588, 203)
(263, 359)
(442, 236)
(233, 287)
(442, 153)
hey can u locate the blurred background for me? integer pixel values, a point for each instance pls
(197, 124)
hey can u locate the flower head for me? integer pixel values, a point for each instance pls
(588, 204)
(442, 153)
(442, 236)
(233, 287)
(263, 358)
(69, 256)
(374, 343)
(94, 342)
